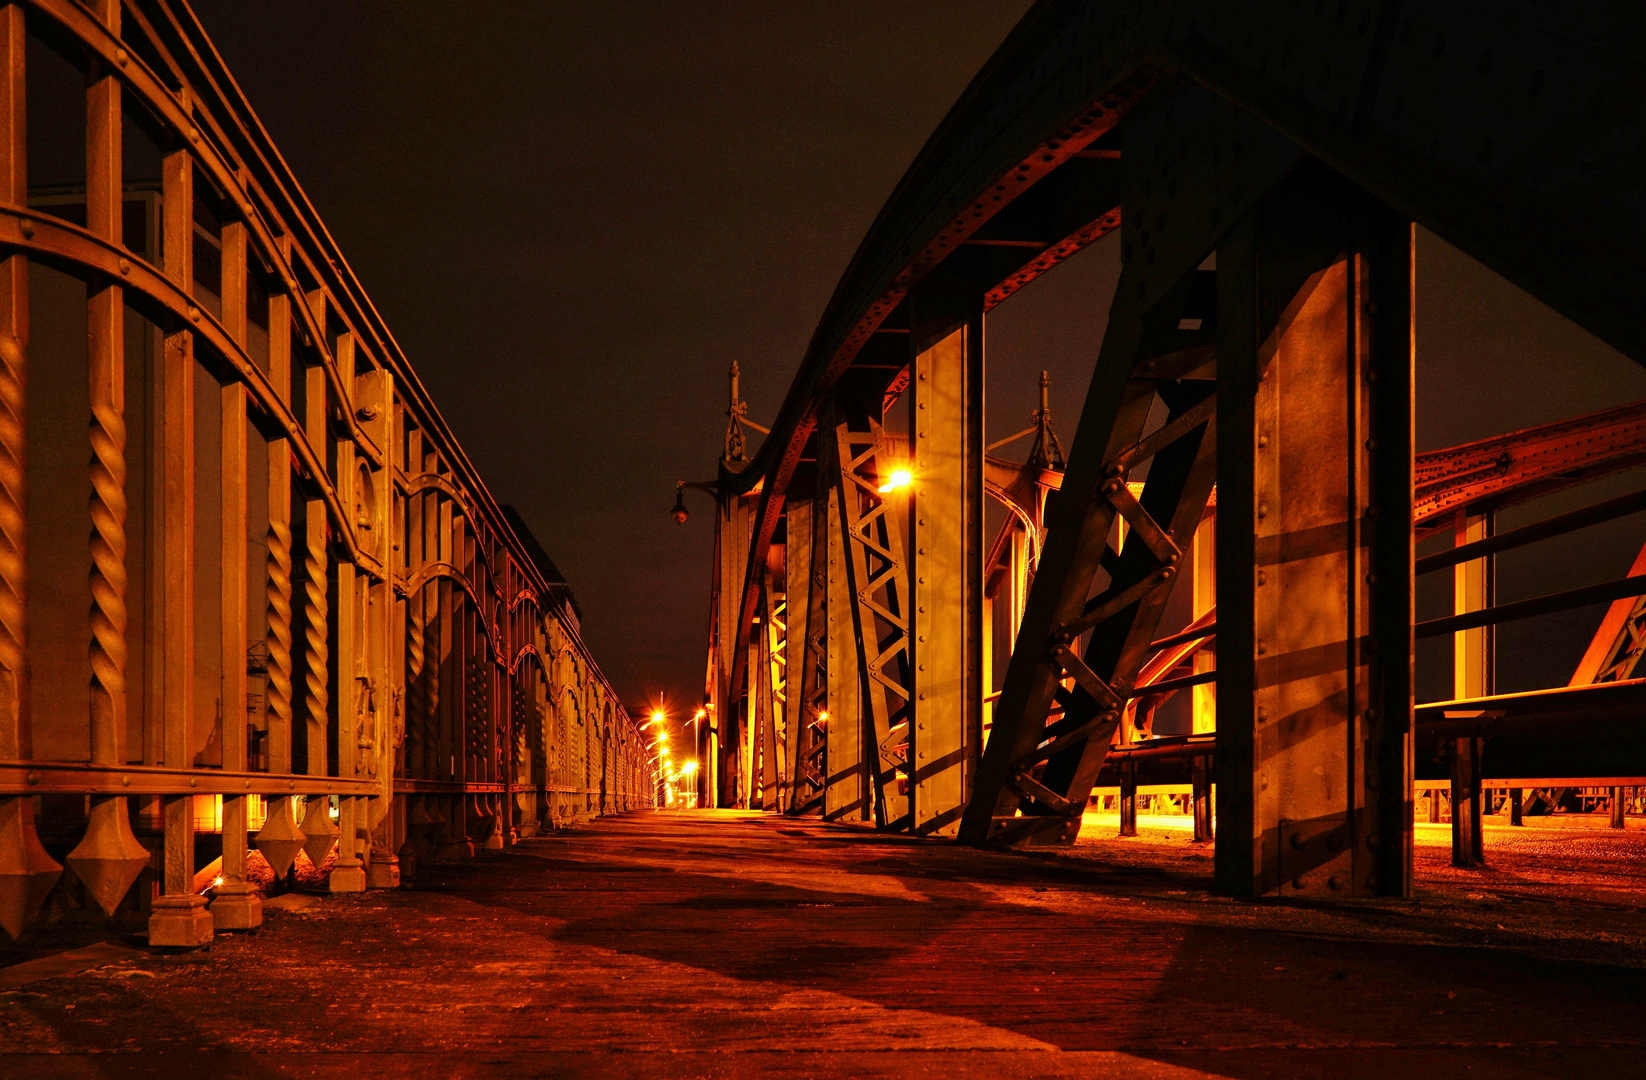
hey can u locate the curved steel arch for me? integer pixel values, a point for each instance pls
(1544, 118)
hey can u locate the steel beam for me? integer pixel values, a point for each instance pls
(1472, 663)
(946, 576)
(799, 627)
(872, 521)
(846, 790)
(1314, 550)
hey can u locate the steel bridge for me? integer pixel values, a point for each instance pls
(1247, 442)
(279, 601)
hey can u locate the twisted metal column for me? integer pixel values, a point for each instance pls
(108, 542)
(278, 590)
(13, 548)
(316, 651)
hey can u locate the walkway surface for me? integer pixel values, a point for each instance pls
(720, 944)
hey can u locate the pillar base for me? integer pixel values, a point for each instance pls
(383, 873)
(347, 875)
(180, 922)
(237, 907)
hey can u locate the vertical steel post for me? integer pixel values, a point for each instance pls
(1200, 779)
(1128, 798)
(237, 906)
(797, 569)
(348, 873)
(180, 917)
(1203, 600)
(1314, 638)
(1471, 678)
(27, 872)
(945, 608)
(108, 859)
(318, 829)
(846, 791)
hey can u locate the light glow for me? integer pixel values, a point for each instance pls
(898, 479)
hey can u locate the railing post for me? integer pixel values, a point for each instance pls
(318, 828)
(1471, 678)
(27, 872)
(180, 916)
(348, 872)
(1200, 772)
(237, 906)
(1128, 798)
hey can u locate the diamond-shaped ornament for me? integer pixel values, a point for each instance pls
(319, 829)
(27, 873)
(280, 839)
(108, 858)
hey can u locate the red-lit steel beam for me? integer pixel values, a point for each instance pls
(1490, 474)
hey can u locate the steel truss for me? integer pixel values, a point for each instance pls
(1265, 164)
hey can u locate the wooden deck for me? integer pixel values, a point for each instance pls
(722, 944)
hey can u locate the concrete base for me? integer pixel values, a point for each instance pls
(237, 907)
(383, 873)
(347, 875)
(180, 922)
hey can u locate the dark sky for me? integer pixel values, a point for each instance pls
(574, 216)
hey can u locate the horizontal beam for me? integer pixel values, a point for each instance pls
(1167, 686)
(1537, 605)
(1538, 782)
(62, 777)
(1559, 525)
(1192, 634)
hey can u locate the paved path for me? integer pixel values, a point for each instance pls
(734, 945)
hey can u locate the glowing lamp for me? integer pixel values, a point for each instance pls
(898, 479)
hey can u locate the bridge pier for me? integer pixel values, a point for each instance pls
(945, 517)
(1314, 546)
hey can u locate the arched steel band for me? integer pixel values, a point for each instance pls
(429, 481)
(59, 240)
(522, 597)
(446, 570)
(526, 650)
(135, 74)
(1017, 510)
(875, 292)
(421, 482)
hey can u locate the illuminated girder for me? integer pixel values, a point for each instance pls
(1191, 129)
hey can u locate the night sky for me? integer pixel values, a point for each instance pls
(574, 216)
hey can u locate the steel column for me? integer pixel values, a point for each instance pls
(1471, 677)
(872, 521)
(946, 576)
(1307, 578)
(846, 787)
